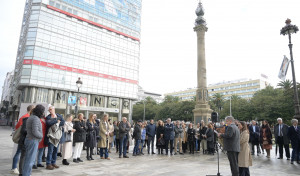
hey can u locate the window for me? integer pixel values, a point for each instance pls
(31, 34)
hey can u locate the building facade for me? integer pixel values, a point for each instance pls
(142, 94)
(95, 40)
(6, 88)
(244, 88)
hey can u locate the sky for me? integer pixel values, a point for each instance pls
(243, 40)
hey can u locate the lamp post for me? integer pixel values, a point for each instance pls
(289, 29)
(144, 111)
(78, 84)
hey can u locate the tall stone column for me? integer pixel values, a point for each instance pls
(202, 110)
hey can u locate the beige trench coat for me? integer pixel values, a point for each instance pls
(103, 142)
(245, 159)
(111, 130)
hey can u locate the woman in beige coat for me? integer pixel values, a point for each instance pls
(67, 146)
(110, 135)
(244, 159)
(104, 135)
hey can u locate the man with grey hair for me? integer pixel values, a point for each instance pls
(254, 132)
(281, 138)
(168, 136)
(294, 136)
(124, 128)
(178, 137)
(231, 141)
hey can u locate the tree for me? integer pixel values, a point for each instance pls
(286, 85)
(218, 100)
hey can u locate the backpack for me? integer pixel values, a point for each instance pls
(17, 135)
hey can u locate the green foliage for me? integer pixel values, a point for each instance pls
(171, 107)
(267, 104)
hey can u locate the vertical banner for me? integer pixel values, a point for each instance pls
(72, 100)
(283, 69)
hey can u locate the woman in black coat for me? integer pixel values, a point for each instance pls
(91, 139)
(79, 137)
(210, 139)
(159, 136)
(191, 132)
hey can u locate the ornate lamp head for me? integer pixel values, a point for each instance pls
(289, 28)
(200, 13)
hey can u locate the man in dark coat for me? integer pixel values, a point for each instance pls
(294, 136)
(281, 138)
(124, 128)
(52, 119)
(137, 135)
(150, 132)
(254, 131)
(232, 144)
(169, 136)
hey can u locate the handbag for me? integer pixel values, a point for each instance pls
(265, 142)
(16, 135)
(68, 137)
(161, 142)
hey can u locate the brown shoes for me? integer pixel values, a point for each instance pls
(49, 167)
(107, 158)
(102, 158)
(55, 166)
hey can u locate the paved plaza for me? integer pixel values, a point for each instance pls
(146, 165)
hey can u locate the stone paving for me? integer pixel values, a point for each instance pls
(152, 165)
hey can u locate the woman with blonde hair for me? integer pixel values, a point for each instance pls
(67, 145)
(244, 158)
(160, 137)
(104, 135)
(91, 136)
(79, 137)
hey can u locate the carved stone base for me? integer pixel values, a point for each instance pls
(202, 112)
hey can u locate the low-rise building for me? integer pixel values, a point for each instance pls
(142, 94)
(244, 88)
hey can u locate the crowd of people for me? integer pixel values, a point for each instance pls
(41, 139)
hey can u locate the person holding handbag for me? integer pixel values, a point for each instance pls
(160, 137)
(33, 137)
(266, 137)
(67, 145)
(52, 120)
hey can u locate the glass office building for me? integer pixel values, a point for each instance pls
(96, 40)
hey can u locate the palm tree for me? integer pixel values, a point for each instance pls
(286, 85)
(218, 100)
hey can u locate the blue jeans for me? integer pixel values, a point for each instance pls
(196, 144)
(123, 146)
(105, 153)
(52, 154)
(31, 151)
(16, 158)
(142, 144)
(39, 156)
(136, 146)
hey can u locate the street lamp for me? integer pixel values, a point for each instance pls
(144, 116)
(289, 29)
(78, 84)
